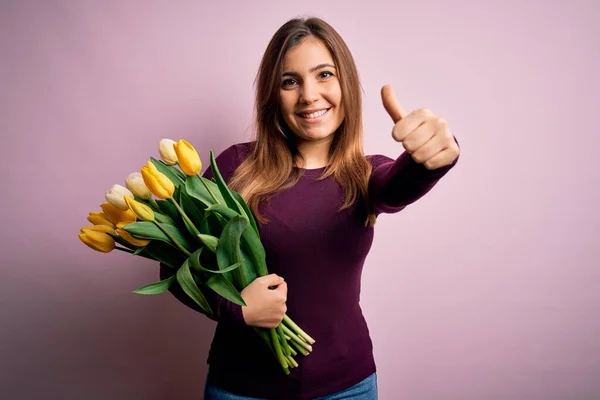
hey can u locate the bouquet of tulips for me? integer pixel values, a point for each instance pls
(199, 227)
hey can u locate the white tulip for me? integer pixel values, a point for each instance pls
(167, 151)
(115, 196)
(135, 183)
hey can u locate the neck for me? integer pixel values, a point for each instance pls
(315, 153)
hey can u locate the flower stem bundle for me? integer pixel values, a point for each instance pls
(200, 228)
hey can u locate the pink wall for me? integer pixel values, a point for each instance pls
(487, 288)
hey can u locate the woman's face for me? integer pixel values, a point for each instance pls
(310, 92)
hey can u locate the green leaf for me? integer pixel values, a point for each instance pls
(210, 241)
(168, 209)
(228, 250)
(164, 219)
(195, 188)
(174, 174)
(139, 250)
(246, 210)
(222, 286)
(223, 188)
(194, 261)
(164, 253)
(251, 240)
(192, 207)
(225, 211)
(186, 281)
(149, 230)
(156, 287)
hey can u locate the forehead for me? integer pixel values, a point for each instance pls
(306, 54)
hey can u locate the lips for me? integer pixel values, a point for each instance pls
(314, 113)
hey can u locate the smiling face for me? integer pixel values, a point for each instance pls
(310, 92)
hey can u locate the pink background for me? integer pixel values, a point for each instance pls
(487, 288)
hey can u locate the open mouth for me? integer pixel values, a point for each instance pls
(316, 116)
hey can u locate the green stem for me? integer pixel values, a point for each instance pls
(301, 349)
(284, 343)
(185, 217)
(209, 191)
(187, 253)
(292, 362)
(277, 345)
(292, 325)
(124, 249)
(154, 204)
(295, 338)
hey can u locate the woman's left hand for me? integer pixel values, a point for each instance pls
(424, 135)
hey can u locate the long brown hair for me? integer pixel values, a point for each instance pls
(269, 167)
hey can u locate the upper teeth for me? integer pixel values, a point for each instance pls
(315, 114)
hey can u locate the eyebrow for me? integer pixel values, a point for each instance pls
(313, 69)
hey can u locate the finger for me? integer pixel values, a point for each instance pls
(441, 159)
(410, 123)
(391, 103)
(429, 149)
(272, 279)
(282, 288)
(444, 157)
(420, 135)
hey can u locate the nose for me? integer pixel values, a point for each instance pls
(309, 92)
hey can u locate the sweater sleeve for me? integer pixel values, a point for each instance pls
(395, 184)
(224, 311)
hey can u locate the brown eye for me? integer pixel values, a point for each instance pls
(288, 82)
(326, 74)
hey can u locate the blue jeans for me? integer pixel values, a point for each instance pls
(364, 390)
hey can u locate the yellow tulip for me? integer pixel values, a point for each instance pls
(134, 241)
(135, 183)
(140, 210)
(158, 183)
(115, 215)
(120, 225)
(167, 152)
(98, 241)
(189, 160)
(100, 218)
(100, 228)
(115, 196)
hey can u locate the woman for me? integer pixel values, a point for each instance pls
(316, 197)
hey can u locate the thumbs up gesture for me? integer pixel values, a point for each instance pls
(424, 135)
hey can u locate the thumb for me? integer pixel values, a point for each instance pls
(391, 104)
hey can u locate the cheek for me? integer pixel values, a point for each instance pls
(286, 105)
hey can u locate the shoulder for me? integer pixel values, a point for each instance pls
(378, 159)
(229, 159)
(235, 154)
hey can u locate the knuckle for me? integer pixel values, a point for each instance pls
(424, 111)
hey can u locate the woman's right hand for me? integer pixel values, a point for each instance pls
(265, 307)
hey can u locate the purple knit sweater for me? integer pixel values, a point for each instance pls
(320, 253)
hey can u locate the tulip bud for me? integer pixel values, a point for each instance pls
(99, 218)
(114, 215)
(98, 241)
(129, 238)
(167, 152)
(135, 183)
(189, 160)
(158, 183)
(115, 196)
(140, 210)
(100, 228)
